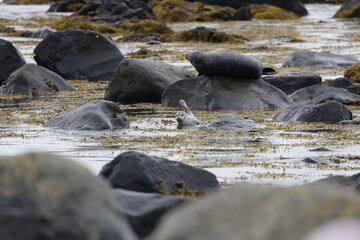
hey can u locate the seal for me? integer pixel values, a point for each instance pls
(186, 118)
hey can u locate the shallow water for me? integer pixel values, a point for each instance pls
(270, 154)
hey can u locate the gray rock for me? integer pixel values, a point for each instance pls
(227, 93)
(305, 58)
(143, 173)
(290, 84)
(320, 149)
(329, 112)
(33, 80)
(145, 210)
(141, 80)
(95, 115)
(46, 197)
(230, 122)
(318, 94)
(79, 54)
(347, 182)
(43, 32)
(258, 213)
(10, 59)
(350, 122)
(341, 83)
(316, 160)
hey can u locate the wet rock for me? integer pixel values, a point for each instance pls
(265, 11)
(95, 115)
(242, 14)
(204, 34)
(226, 64)
(320, 149)
(306, 58)
(145, 210)
(141, 80)
(254, 212)
(290, 84)
(349, 9)
(353, 72)
(39, 33)
(230, 122)
(341, 83)
(33, 80)
(227, 93)
(46, 197)
(222, 14)
(10, 59)
(329, 112)
(347, 182)
(143, 173)
(79, 54)
(66, 6)
(319, 94)
(350, 122)
(316, 160)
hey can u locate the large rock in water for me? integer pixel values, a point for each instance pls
(141, 80)
(145, 210)
(33, 80)
(295, 6)
(258, 213)
(79, 54)
(351, 182)
(306, 58)
(290, 84)
(349, 9)
(94, 115)
(221, 92)
(231, 122)
(10, 59)
(330, 112)
(139, 172)
(45, 197)
(318, 94)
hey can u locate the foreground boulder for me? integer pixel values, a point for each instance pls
(47, 197)
(94, 115)
(290, 84)
(306, 58)
(231, 122)
(79, 54)
(10, 59)
(258, 213)
(349, 9)
(228, 93)
(139, 172)
(318, 94)
(141, 80)
(33, 80)
(145, 210)
(330, 112)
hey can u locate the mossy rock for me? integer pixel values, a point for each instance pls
(353, 72)
(265, 11)
(348, 13)
(26, 2)
(144, 26)
(143, 53)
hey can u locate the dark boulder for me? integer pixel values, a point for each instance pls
(143, 173)
(204, 34)
(231, 122)
(10, 59)
(145, 210)
(66, 5)
(242, 14)
(341, 83)
(329, 112)
(34, 80)
(316, 160)
(290, 84)
(291, 5)
(226, 64)
(227, 93)
(46, 197)
(79, 54)
(338, 181)
(141, 80)
(95, 115)
(306, 58)
(349, 9)
(318, 94)
(258, 213)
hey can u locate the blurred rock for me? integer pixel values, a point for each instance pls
(349, 9)
(347, 182)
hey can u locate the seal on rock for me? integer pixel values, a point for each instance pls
(186, 118)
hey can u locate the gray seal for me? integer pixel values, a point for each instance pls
(186, 118)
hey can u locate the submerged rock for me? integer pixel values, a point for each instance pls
(95, 115)
(290, 84)
(143, 173)
(46, 197)
(145, 210)
(316, 160)
(258, 213)
(329, 112)
(33, 80)
(227, 93)
(79, 54)
(10, 59)
(231, 122)
(306, 58)
(141, 80)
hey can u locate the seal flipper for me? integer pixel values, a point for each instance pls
(269, 71)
